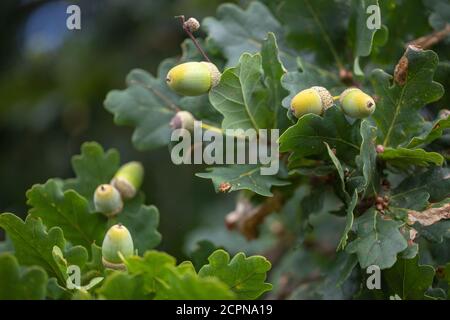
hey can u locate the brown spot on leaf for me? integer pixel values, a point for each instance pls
(401, 71)
(224, 187)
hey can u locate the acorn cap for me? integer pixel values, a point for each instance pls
(325, 96)
(107, 200)
(117, 239)
(128, 179)
(214, 72)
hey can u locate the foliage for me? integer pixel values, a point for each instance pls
(350, 193)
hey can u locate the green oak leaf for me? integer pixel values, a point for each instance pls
(415, 191)
(241, 97)
(273, 71)
(242, 177)
(434, 130)
(361, 36)
(123, 286)
(21, 283)
(402, 157)
(397, 114)
(147, 104)
(338, 279)
(183, 284)
(142, 221)
(340, 170)
(318, 27)
(92, 168)
(34, 245)
(306, 138)
(378, 240)
(245, 276)
(153, 268)
(366, 161)
(348, 221)
(200, 253)
(67, 210)
(408, 279)
(236, 31)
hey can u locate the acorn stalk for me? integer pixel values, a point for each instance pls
(128, 179)
(117, 243)
(107, 200)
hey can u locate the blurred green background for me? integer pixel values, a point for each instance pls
(52, 85)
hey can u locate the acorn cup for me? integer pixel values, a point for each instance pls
(313, 100)
(116, 244)
(357, 104)
(128, 179)
(107, 200)
(193, 78)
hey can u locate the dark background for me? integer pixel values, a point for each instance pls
(52, 85)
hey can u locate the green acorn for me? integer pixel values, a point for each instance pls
(107, 200)
(193, 78)
(357, 104)
(128, 179)
(313, 100)
(182, 120)
(117, 239)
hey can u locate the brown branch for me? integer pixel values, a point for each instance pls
(247, 218)
(431, 39)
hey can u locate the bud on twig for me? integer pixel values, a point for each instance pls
(192, 24)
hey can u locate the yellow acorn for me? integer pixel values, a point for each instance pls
(357, 104)
(193, 78)
(107, 200)
(128, 179)
(117, 240)
(313, 100)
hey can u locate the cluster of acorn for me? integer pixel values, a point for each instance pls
(108, 200)
(197, 78)
(355, 103)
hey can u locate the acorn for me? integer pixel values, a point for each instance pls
(128, 179)
(107, 200)
(193, 78)
(357, 104)
(313, 100)
(182, 120)
(117, 240)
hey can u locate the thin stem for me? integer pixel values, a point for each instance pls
(336, 98)
(211, 128)
(189, 33)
